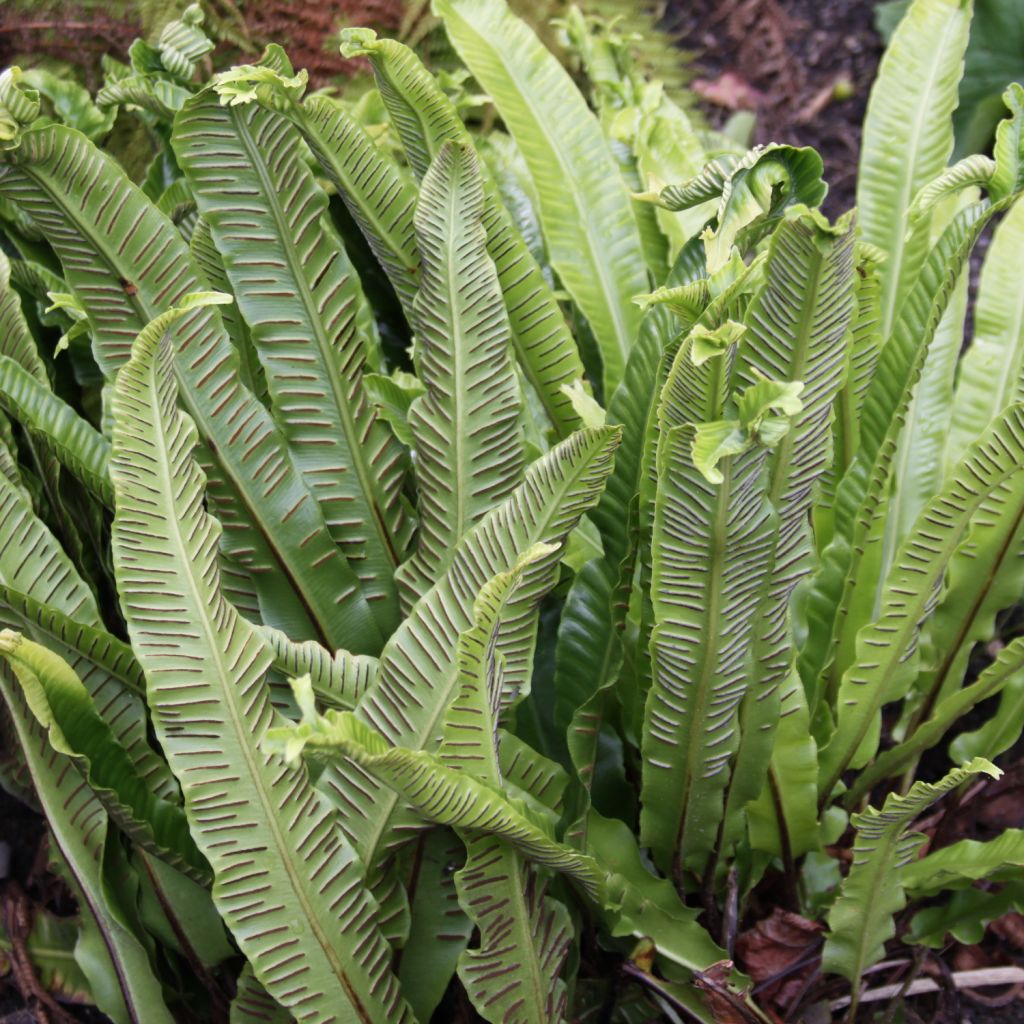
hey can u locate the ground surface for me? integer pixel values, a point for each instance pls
(784, 59)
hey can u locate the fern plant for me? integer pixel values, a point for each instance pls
(454, 575)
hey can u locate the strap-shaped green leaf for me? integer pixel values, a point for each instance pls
(210, 264)
(74, 441)
(908, 137)
(156, 95)
(466, 433)
(525, 936)
(252, 1005)
(643, 904)
(439, 793)
(589, 227)
(17, 342)
(991, 373)
(860, 921)
(861, 491)
(295, 287)
(1004, 728)
(129, 263)
(426, 119)
(338, 679)
(270, 838)
(962, 863)
(62, 705)
(795, 330)
(986, 574)
(108, 669)
(711, 553)
(78, 832)
(379, 199)
(377, 196)
(513, 974)
(884, 665)
(862, 350)
(1005, 673)
(418, 674)
(439, 931)
(919, 467)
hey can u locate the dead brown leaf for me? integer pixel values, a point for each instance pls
(780, 953)
(1010, 928)
(726, 1002)
(729, 90)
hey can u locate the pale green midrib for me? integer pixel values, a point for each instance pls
(387, 800)
(56, 831)
(445, 277)
(895, 529)
(307, 125)
(355, 446)
(876, 921)
(229, 693)
(623, 339)
(894, 759)
(697, 730)
(803, 339)
(522, 918)
(894, 266)
(493, 207)
(1008, 383)
(899, 638)
(310, 605)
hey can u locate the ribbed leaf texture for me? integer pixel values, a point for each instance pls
(296, 289)
(860, 921)
(128, 263)
(513, 974)
(426, 119)
(271, 839)
(584, 209)
(884, 665)
(465, 428)
(711, 552)
(418, 674)
(61, 704)
(908, 137)
(116, 965)
(796, 330)
(991, 373)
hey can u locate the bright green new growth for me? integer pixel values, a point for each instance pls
(464, 550)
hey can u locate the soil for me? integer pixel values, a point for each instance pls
(787, 60)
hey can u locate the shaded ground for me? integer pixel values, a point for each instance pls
(787, 60)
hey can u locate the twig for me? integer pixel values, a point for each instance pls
(981, 978)
(732, 903)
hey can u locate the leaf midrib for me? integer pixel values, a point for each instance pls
(228, 694)
(898, 639)
(608, 288)
(195, 410)
(894, 269)
(389, 798)
(272, 201)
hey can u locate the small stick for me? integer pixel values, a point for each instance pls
(980, 978)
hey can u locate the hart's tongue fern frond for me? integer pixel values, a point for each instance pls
(271, 839)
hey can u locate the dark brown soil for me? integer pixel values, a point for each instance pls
(783, 59)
